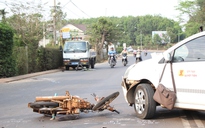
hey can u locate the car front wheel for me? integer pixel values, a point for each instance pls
(144, 104)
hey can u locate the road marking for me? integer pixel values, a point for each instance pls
(186, 123)
(184, 120)
(198, 121)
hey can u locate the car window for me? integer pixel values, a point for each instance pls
(191, 51)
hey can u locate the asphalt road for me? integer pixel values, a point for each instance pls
(103, 81)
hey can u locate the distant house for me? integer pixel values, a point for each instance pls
(68, 32)
(73, 31)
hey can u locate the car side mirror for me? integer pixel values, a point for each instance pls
(90, 47)
(167, 57)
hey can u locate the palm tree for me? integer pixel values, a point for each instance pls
(3, 13)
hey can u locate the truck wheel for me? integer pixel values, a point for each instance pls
(87, 66)
(92, 63)
(144, 104)
(67, 67)
(44, 104)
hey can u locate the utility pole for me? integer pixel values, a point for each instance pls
(54, 22)
(141, 38)
(44, 33)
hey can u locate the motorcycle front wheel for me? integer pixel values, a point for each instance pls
(112, 63)
(138, 59)
(124, 63)
(106, 100)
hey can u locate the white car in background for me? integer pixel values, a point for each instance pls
(130, 49)
(187, 57)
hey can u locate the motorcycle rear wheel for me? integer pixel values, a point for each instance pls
(42, 104)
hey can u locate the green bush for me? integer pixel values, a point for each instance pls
(53, 58)
(44, 59)
(7, 62)
(49, 58)
(119, 49)
(21, 60)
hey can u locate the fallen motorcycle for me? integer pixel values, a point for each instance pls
(70, 105)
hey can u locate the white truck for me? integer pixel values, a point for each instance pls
(78, 53)
(187, 59)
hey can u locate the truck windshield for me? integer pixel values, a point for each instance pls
(75, 47)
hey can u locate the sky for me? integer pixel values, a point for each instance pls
(78, 9)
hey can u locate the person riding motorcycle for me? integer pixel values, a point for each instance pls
(124, 52)
(111, 52)
(134, 52)
(138, 54)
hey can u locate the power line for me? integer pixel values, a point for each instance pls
(66, 4)
(79, 8)
(72, 12)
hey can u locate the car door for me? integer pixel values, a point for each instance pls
(189, 74)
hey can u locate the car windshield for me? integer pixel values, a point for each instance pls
(75, 47)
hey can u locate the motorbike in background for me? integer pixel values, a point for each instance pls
(112, 60)
(138, 57)
(145, 53)
(124, 59)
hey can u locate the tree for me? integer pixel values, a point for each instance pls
(132, 29)
(200, 11)
(3, 14)
(27, 24)
(175, 33)
(186, 8)
(7, 62)
(57, 13)
(165, 38)
(157, 39)
(194, 9)
(101, 31)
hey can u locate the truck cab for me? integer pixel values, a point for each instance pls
(78, 53)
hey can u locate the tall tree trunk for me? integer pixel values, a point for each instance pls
(102, 43)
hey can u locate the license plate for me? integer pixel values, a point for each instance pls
(74, 63)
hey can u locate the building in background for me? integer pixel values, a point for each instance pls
(68, 32)
(163, 35)
(71, 31)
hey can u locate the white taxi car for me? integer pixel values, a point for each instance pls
(188, 63)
